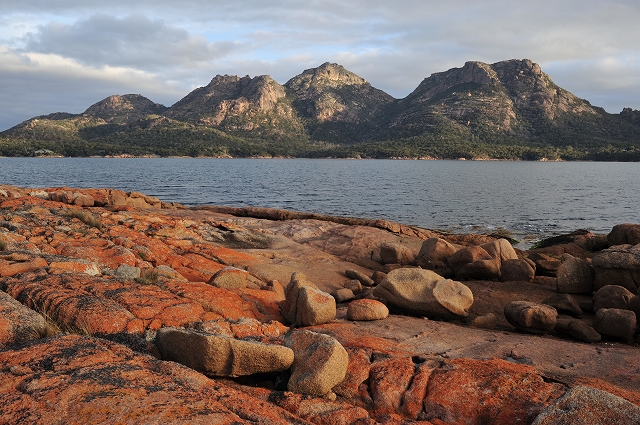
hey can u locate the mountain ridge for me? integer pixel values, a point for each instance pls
(508, 110)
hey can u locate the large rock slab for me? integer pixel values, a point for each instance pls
(220, 355)
(589, 406)
(425, 292)
(320, 363)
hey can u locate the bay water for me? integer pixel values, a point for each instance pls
(531, 200)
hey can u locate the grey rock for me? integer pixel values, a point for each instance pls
(315, 307)
(564, 303)
(619, 265)
(623, 234)
(229, 278)
(531, 317)
(576, 329)
(616, 323)
(425, 292)
(588, 406)
(434, 253)
(343, 295)
(220, 355)
(611, 296)
(517, 270)
(366, 310)
(361, 277)
(320, 363)
(395, 253)
(127, 272)
(18, 322)
(575, 276)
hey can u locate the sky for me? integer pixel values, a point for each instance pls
(65, 55)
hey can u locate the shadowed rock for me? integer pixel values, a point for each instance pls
(221, 355)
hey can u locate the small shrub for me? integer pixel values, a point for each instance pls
(148, 278)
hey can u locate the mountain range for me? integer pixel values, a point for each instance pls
(506, 110)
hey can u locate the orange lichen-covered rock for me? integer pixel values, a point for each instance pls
(489, 391)
(73, 379)
(217, 300)
(12, 268)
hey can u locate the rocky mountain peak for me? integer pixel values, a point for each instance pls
(227, 94)
(332, 93)
(124, 108)
(327, 75)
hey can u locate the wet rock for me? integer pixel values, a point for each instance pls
(616, 323)
(425, 292)
(320, 363)
(361, 277)
(624, 234)
(19, 323)
(586, 406)
(219, 355)
(366, 309)
(619, 265)
(564, 303)
(611, 296)
(229, 277)
(395, 253)
(531, 317)
(575, 276)
(517, 270)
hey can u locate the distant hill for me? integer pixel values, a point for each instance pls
(505, 110)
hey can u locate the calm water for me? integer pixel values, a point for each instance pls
(532, 199)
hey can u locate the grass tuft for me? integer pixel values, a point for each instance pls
(87, 218)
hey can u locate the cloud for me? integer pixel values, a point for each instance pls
(163, 49)
(133, 41)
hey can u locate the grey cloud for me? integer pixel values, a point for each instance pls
(133, 41)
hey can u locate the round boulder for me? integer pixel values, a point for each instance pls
(320, 363)
(616, 323)
(611, 296)
(366, 309)
(434, 252)
(425, 292)
(575, 276)
(395, 253)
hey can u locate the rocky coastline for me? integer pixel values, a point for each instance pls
(116, 307)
